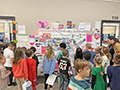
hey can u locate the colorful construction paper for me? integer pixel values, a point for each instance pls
(42, 24)
(89, 38)
(36, 32)
(43, 50)
(31, 39)
(46, 35)
(69, 24)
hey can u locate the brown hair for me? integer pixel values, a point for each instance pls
(98, 59)
(29, 52)
(65, 52)
(1, 56)
(24, 49)
(97, 49)
(80, 64)
(50, 53)
(88, 45)
(117, 58)
(11, 44)
(106, 52)
(18, 55)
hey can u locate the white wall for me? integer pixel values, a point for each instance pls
(28, 12)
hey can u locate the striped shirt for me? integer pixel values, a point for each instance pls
(78, 84)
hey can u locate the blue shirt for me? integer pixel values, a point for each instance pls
(92, 57)
(49, 66)
(60, 55)
(25, 56)
(114, 77)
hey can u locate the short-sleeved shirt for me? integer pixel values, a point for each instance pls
(8, 55)
(114, 77)
(60, 55)
(99, 81)
(64, 64)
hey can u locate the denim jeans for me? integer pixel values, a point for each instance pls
(64, 81)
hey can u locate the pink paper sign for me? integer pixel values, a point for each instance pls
(43, 49)
(89, 38)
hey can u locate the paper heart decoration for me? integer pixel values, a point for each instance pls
(31, 43)
(14, 31)
(97, 36)
(38, 44)
(61, 26)
(15, 41)
(14, 22)
(42, 24)
(31, 36)
(35, 32)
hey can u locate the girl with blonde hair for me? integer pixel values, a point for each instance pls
(49, 63)
(98, 82)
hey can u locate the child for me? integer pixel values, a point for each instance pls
(106, 58)
(64, 65)
(31, 63)
(4, 80)
(78, 54)
(114, 73)
(35, 57)
(78, 82)
(49, 63)
(97, 51)
(87, 56)
(88, 48)
(98, 82)
(20, 68)
(9, 55)
(62, 47)
(24, 50)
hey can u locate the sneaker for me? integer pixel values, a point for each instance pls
(14, 84)
(10, 84)
(51, 88)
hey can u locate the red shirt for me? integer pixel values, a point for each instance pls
(31, 63)
(20, 70)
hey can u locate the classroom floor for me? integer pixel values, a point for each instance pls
(40, 87)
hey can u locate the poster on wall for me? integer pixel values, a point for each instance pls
(22, 37)
(21, 29)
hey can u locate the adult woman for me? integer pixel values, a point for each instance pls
(111, 41)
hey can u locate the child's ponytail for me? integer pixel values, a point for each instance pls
(108, 56)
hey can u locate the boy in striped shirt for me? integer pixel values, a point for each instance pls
(77, 82)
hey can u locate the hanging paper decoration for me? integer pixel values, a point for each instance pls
(15, 41)
(36, 32)
(55, 24)
(42, 24)
(69, 24)
(46, 36)
(73, 25)
(38, 44)
(14, 31)
(14, 22)
(49, 25)
(97, 34)
(31, 39)
(61, 26)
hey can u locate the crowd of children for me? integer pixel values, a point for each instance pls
(95, 70)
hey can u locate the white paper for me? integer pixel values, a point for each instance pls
(21, 29)
(22, 38)
(51, 79)
(25, 45)
(97, 25)
(88, 26)
(37, 50)
(82, 25)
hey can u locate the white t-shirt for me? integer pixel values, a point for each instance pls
(8, 55)
(105, 63)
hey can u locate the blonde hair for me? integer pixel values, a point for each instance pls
(117, 58)
(117, 48)
(88, 45)
(98, 59)
(50, 54)
(106, 52)
(80, 64)
(97, 49)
